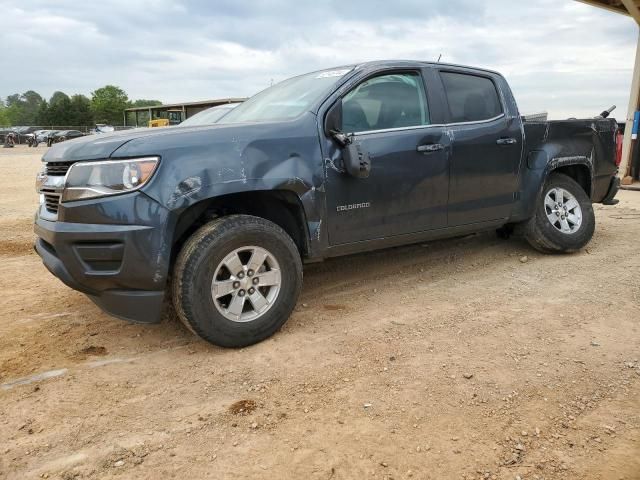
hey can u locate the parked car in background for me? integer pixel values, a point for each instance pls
(30, 139)
(63, 135)
(9, 140)
(3, 133)
(42, 136)
(33, 137)
(22, 134)
(209, 116)
(39, 136)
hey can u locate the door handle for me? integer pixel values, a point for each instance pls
(506, 141)
(432, 147)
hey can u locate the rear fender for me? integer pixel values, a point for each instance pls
(558, 144)
(539, 167)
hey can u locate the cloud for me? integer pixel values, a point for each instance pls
(563, 57)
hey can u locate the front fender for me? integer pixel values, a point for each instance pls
(308, 199)
(240, 159)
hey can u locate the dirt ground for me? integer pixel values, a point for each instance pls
(456, 359)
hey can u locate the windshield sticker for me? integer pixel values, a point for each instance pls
(333, 73)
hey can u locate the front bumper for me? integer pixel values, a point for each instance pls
(122, 268)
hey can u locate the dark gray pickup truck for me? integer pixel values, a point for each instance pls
(221, 217)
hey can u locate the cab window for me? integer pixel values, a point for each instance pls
(386, 101)
(471, 98)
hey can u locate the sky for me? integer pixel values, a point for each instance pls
(559, 56)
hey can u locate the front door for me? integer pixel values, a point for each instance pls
(407, 188)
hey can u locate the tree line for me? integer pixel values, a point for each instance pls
(106, 105)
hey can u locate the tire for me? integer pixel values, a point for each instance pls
(563, 237)
(202, 260)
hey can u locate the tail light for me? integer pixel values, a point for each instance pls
(619, 138)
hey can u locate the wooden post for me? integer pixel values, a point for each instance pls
(633, 9)
(633, 106)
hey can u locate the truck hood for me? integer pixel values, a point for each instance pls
(202, 162)
(102, 146)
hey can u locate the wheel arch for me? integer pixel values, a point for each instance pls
(539, 166)
(579, 169)
(280, 206)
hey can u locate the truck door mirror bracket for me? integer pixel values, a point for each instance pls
(341, 138)
(355, 158)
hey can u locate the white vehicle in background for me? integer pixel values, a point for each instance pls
(210, 115)
(102, 128)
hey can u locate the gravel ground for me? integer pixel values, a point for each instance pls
(472, 358)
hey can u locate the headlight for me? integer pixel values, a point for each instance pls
(98, 179)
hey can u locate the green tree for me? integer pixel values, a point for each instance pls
(108, 104)
(23, 109)
(13, 109)
(144, 103)
(32, 101)
(12, 99)
(43, 114)
(81, 113)
(4, 119)
(59, 111)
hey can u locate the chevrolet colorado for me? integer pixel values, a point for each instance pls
(220, 218)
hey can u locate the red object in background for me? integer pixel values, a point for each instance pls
(619, 138)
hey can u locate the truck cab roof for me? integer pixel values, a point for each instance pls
(415, 64)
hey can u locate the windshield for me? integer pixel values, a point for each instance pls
(287, 99)
(210, 115)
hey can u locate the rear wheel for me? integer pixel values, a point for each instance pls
(236, 280)
(564, 220)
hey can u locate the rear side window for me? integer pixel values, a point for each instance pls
(471, 98)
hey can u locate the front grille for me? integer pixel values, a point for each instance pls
(56, 168)
(51, 199)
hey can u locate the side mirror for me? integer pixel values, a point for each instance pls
(354, 157)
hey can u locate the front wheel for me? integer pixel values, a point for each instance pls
(564, 220)
(237, 280)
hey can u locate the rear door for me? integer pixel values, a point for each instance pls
(486, 151)
(407, 188)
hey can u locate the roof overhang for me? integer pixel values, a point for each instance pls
(625, 7)
(204, 103)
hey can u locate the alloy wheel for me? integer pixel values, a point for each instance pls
(246, 284)
(563, 210)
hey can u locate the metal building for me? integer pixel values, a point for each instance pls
(174, 112)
